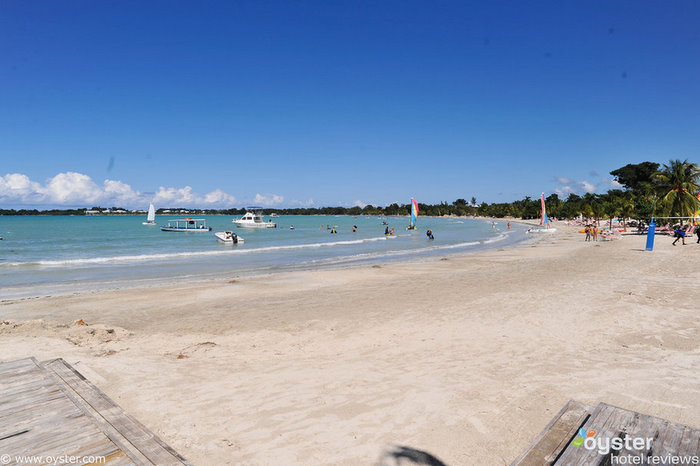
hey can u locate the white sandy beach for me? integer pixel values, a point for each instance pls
(464, 357)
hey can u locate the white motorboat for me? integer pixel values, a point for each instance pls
(151, 218)
(253, 219)
(228, 237)
(193, 225)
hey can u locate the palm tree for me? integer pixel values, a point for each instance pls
(677, 185)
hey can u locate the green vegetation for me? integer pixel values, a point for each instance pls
(677, 188)
(648, 191)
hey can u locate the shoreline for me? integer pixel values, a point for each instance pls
(70, 288)
(466, 358)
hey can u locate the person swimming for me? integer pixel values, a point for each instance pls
(429, 234)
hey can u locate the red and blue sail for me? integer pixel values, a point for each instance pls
(414, 213)
(544, 220)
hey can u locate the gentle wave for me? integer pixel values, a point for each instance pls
(166, 256)
(174, 255)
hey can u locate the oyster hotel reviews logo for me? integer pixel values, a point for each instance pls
(612, 446)
(604, 444)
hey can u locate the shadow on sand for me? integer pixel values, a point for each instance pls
(398, 455)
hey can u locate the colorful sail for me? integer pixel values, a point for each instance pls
(414, 213)
(544, 220)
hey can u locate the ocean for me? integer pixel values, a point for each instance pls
(56, 255)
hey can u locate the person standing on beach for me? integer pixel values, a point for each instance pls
(679, 233)
(697, 232)
(588, 232)
(595, 232)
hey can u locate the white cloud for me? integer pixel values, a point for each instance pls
(564, 191)
(613, 183)
(219, 197)
(308, 203)
(15, 186)
(359, 203)
(268, 199)
(569, 186)
(77, 189)
(121, 193)
(180, 197)
(73, 188)
(586, 186)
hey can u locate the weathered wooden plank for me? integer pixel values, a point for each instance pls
(39, 419)
(669, 439)
(118, 424)
(556, 435)
(658, 437)
(124, 443)
(18, 364)
(53, 410)
(690, 443)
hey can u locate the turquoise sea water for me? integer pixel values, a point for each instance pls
(48, 255)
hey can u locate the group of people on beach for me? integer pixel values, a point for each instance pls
(679, 232)
(591, 232)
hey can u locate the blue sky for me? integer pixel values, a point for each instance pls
(292, 103)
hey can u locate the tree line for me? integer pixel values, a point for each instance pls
(647, 189)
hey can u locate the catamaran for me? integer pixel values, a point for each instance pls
(414, 215)
(151, 218)
(544, 222)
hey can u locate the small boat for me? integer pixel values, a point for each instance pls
(194, 225)
(228, 237)
(291, 227)
(274, 215)
(253, 219)
(151, 218)
(544, 221)
(414, 215)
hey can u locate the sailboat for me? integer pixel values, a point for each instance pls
(151, 219)
(414, 215)
(544, 222)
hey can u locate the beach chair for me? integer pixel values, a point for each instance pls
(609, 235)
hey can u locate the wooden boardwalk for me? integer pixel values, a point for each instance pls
(613, 434)
(50, 410)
